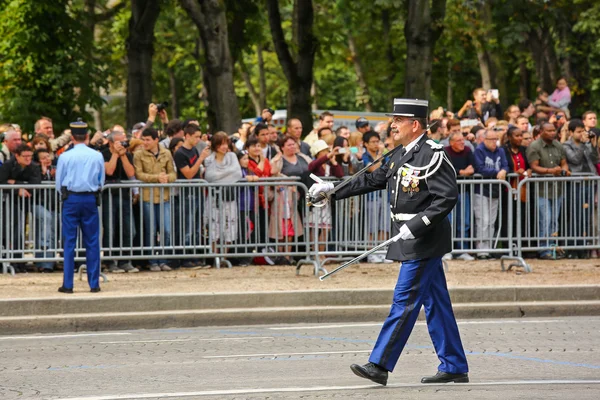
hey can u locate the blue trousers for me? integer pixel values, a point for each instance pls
(421, 282)
(80, 211)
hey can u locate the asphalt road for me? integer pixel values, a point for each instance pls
(555, 358)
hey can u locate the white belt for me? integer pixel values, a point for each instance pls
(403, 217)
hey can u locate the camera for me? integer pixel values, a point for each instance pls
(342, 150)
(162, 106)
(125, 144)
(563, 173)
(591, 134)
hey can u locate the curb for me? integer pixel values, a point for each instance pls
(26, 316)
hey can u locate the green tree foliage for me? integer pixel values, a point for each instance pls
(46, 65)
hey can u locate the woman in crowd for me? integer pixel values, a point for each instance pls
(247, 206)
(516, 158)
(511, 114)
(286, 224)
(260, 166)
(222, 166)
(357, 150)
(561, 97)
(325, 164)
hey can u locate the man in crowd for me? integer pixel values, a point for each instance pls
(547, 157)
(490, 162)
(189, 207)
(243, 132)
(589, 120)
(454, 127)
(463, 161)
(262, 133)
(294, 128)
(325, 120)
(19, 170)
(12, 140)
(118, 231)
(582, 157)
(523, 123)
(154, 164)
(173, 130)
(483, 106)
(362, 125)
(343, 131)
(79, 179)
(45, 127)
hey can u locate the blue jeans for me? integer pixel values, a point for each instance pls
(157, 219)
(548, 211)
(45, 235)
(462, 216)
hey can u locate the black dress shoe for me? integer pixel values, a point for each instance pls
(445, 377)
(95, 289)
(372, 372)
(63, 289)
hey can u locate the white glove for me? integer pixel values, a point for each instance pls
(405, 234)
(320, 188)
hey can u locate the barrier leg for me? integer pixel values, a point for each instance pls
(520, 262)
(82, 269)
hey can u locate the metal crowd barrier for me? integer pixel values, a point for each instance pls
(269, 222)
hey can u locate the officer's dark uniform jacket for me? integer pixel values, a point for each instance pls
(431, 200)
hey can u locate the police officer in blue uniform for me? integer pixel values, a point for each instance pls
(79, 180)
(422, 188)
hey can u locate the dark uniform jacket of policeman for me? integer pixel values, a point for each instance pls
(431, 200)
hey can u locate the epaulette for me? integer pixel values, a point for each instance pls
(435, 146)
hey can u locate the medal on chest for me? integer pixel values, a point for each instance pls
(408, 181)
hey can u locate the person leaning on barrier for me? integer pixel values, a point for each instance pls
(154, 164)
(79, 179)
(547, 157)
(118, 230)
(46, 211)
(20, 170)
(421, 197)
(582, 157)
(294, 128)
(490, 162)
(189, 208)
(463, 161)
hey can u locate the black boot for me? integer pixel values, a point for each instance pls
(445, 377)
(372, 372)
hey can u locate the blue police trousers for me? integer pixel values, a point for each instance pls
(81, 211)
(421, 282)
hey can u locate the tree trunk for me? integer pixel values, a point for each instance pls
(298, 71)
(209, 16)
(254, 97)
(315, 98)
(422, 30)
(140, 49)
(389, 52)
(365, 96)
(523, 80)
(450, 88)
(262, 80)
(484, 67)
(175, 111)
(566, 62)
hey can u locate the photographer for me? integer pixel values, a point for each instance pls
(118, 232)
(485, 104)
(582, 157)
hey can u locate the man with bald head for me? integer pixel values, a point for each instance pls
(294, 128)
(547, 156)
(44, 126)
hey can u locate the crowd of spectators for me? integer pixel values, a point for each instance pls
(531, 137)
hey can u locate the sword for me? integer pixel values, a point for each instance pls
(324, 196)
(354, 260)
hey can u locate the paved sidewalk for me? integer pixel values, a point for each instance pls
(274, 278)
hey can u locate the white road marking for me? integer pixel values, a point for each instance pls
(324, 389)
(188, 340)
(63, 336)
(312, 353)
(483, 322)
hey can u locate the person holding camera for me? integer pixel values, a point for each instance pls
(582, 157)
(118, 233)
(485, 104)
(547, 156)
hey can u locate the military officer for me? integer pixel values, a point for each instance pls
(421, 184)
(79, 180)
